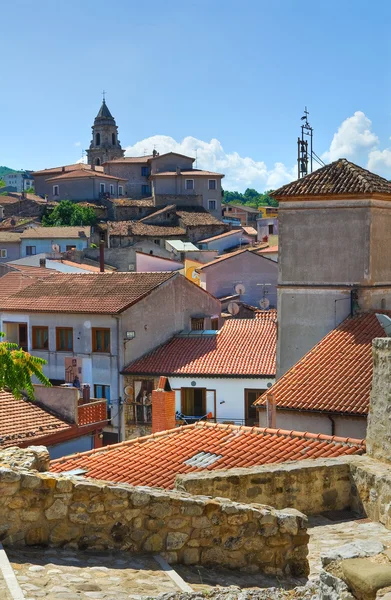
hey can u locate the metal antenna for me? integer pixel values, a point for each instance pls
(302, 147)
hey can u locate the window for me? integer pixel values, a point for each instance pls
(250, 411)
(197, 324)
(212, 204)
(101, 391)
(113, 139)
(144, 171)
(145, 190)
(97, 162)
(111, 189)
(193, 402)
(3, 253)
(64, 339)
(100, 340)
(189, 184)
(271, 229)
(102, 188)
(31, 250)
(97, 139)
(72, 247)
(212, 184)
(142, 409)
(157, 242)
(40, 338)
(55, 190)
(214, 323)
(120, 190)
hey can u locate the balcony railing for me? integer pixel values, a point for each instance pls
(92, 412)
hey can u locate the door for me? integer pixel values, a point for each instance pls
(250, 411)
(193, 403)
(23, 336)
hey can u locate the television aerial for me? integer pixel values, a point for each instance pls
(233, 308)
(240, 289)
(264, 303)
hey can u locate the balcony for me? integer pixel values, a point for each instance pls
(94, 411)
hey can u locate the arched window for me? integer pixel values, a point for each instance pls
(97, 162)
(97, 139)
(113, 138)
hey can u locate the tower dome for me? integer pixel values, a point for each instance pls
(105, 144)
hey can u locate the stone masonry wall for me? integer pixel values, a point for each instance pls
(379, 418)
(41, 508)
(311, 486)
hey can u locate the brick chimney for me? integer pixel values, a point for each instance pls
(163, 407)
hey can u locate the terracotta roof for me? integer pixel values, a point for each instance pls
(23, 421)
(187, 173)
(32, 271)
(161, 211)
(336, 375)
(129, 228)
(268, 250)
(14, 223)
(85, 266)
(94, 293)
(155, 460)
(198, 216)
(66, 168)
(249, 209)
(9, 236)
(13, 282)
(129, 159)
(221, 235)
(83, 173)
(242, 348)
(230, 255)
(338, 178)
(147, 202)
(250, 230)
(56, 232)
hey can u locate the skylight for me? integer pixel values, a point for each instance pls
(201, 460)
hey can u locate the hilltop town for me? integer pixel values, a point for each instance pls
(210, 404)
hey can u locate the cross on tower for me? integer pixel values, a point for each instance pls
(103, 94)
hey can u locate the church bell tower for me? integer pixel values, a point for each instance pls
(105, 144)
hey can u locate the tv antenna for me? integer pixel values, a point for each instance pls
(264, 302)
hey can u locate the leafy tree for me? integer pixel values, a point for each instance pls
(2, 183)
(250, 198)
(69, 213)
(17, 367)
(30, 190)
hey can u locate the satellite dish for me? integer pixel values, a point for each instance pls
(233, 308)
(55, 248)
(264, 303)
(128, 390)
(239, 288)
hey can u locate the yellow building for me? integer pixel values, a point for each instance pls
(190, 270)
(268, 212)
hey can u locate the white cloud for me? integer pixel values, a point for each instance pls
(77, 144)
(240, 172)
(353, 140)
(379, 161)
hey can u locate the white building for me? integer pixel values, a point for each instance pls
(20, 180)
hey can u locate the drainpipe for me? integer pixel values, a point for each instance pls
(119, 380)
(332, 425)
(271, 411)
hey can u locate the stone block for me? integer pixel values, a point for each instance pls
(191, 556)
(177, 523)
(58, 510)
(176, 540)
(153, 543)
(365, 578)
(356, 549)
(30, 481)
(37, 536)
(64, 532)
(159, 510)
(140, 498)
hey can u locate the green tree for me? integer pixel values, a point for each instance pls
(2, 183)
(69, 213)
(17, 367)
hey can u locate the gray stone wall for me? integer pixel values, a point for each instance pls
(379, 423)
(40, 508)
(282, 485)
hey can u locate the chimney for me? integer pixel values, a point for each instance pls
(102, 256)
(63, 169)
(92, 167)
(163, 407)
(154, 153)
(271, 411)
(42, 262)
(178, 170)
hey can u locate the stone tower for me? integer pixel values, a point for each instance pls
(105, 144)
(334, 254)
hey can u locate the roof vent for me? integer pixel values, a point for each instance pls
(202, 460)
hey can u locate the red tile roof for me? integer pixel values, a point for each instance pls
(136, 228)
(129, 159)
(23, 421)
(84, 173)
(57, 232)
(339, 178)
(221, 235)
(67, 169)
(242, 348)
(336, 375)
(187, 173)
(192, 217)
(13, 282)
(155, 460)
(94, 293)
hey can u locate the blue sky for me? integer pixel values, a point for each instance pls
(226, 77)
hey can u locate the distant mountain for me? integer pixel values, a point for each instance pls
(5, 170)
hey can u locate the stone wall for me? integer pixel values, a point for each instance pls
(379, 423)
(41, 508)
(311, 486)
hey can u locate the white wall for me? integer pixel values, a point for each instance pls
(147, 263)
(228, 390)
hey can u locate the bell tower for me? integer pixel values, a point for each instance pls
(105, 144)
